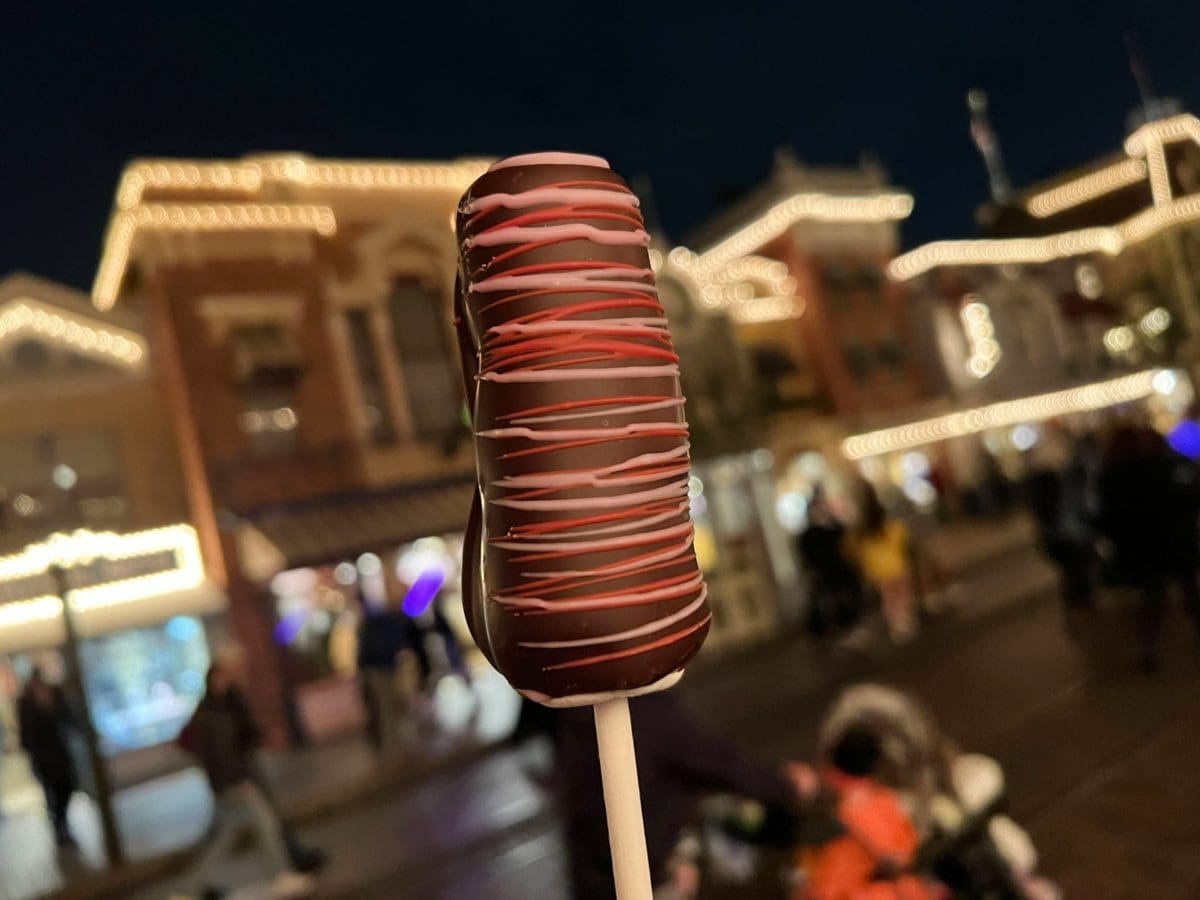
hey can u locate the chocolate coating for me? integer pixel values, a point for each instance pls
(579, 573)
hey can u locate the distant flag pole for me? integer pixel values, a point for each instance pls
(988, 145)
(1141, 75)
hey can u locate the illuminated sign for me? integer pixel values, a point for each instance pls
(100, 569)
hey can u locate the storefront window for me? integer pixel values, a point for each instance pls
(144, 683)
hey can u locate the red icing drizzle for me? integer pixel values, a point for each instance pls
(610, 321)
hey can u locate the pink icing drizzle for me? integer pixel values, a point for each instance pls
(552, 158)
(652, 528)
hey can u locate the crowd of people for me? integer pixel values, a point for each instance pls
(1121, 514)
(1117, 513)
(850, 567)
(400, 655)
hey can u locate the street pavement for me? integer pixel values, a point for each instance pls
(1100, 760)
(161, 817)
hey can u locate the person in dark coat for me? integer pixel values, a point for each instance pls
(836, 598)
(223, 737)
(43, 718)
(1150, 512)
(1057, 491)
(678, 761)
(382, 635)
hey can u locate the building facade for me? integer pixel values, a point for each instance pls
(300, 312)
(799, 264)
(1081, 297)
(89, 481)
(1122, 232)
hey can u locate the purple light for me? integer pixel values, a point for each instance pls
(1184, 439)
(423, 591)
(289, 627)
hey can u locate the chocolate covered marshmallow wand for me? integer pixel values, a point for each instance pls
(580, 579)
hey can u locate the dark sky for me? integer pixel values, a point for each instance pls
(695, 96)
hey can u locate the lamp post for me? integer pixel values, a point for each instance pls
(112, 838)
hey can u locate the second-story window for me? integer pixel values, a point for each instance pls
(61, 481)
(430, 372)
(380, 427)
(267, 366)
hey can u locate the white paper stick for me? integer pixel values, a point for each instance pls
(622, 800)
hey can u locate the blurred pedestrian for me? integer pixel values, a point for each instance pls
(383, 635)
(223, 736)
(835, 600)
(881, 546)
(44, 720)
(1150, 512)
(428, 623)
(1057, 489)
(424, 622)
(678, 762)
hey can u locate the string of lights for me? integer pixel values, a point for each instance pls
(197, 217)
(768, 309)
(81, 547)
(1163, 131)
(1109, 240)
(251, 175)
(1089, 187)
(25, 314)
(248, 178)
(1146, 142)
(1009, 412)
(981, 336)
(755, 288)
(819, 207)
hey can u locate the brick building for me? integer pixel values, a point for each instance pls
(299, 314)
(799, 264)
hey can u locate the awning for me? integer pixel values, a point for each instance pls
(324, 531)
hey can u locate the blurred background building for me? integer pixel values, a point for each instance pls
(299, 311)
(1079, 299)
(89, 479)
(281, 325)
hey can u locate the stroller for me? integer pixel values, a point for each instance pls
(954, 801)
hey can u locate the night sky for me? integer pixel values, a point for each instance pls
(695, 100)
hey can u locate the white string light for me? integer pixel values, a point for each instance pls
(25, 314)
(373, 175)
(1110, 240)
(1119, 339)
(81, 547)
(819, 207)
(1163, 131)
(1147, 157)
(249, 178)
(1089, 187)
(1155, 322)
(981, 336)
(250, 175)
(767, 309)
(179, 175)
(26, 612)
(1009, 412)
(197, 217)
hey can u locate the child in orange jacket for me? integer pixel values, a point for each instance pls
(879, 842)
